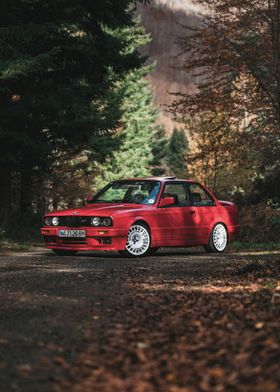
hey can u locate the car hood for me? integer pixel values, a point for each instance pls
(99, 209)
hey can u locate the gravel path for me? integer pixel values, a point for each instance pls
(181, 321)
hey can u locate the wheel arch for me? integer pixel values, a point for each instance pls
(143, 222)
(222, 223)
(219, 223)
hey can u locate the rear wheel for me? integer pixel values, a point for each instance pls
(218, 239)
(62, 252)
(138, 241)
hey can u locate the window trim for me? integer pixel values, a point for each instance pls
(205, 190)
(184, 183)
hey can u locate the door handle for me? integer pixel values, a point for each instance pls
(192, 212)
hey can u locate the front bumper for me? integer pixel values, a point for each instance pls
(97, 238)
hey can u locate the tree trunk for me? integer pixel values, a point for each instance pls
(25, 190)
(40, 197)
(5, 195)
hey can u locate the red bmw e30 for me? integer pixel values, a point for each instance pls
(138, 216)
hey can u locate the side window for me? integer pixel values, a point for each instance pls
(199, 196)
(178, 191)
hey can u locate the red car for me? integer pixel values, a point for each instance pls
(138, 216)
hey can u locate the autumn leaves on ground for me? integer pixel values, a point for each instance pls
(182, 321)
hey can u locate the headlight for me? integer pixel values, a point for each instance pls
(107, 221)
(48, 220)
(95, 221)
(55, 221)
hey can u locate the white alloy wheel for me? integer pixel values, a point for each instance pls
(138, 240)
(219, 237)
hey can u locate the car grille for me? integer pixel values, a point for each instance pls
(74, 221)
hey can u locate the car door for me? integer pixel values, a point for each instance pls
(204, 208)
(175, 222)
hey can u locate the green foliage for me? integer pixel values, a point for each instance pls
(176, 153)
(60, 62)
(136, 137)
(159, 150)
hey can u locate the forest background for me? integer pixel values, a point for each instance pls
(77, 108)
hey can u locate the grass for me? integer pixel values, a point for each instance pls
(254, 246)
(15, 246)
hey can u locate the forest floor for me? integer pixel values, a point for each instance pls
(181, 321)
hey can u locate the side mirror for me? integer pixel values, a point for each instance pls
(87, 200)
(167, 201)
(196, 197)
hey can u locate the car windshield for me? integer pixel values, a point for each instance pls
(136, 192)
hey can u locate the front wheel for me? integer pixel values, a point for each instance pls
(62, 252)
(218, 239)
(138, 241)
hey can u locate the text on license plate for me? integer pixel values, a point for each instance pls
(72, 233)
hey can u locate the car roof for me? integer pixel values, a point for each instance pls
(162, 179)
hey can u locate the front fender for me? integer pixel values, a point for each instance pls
(148, 223)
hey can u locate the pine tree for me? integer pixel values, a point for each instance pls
(59, 63)
(134, 157)
(176, 153)
(159, 151)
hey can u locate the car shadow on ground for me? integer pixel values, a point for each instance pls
(114, 254)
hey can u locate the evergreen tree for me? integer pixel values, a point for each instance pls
(59, 63)
(176, 153)
(159, 151)
(134, 157)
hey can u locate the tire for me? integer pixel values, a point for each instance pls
(138, 242)
(153, 251)
(62, 252)
(218, 239)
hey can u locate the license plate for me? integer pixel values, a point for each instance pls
(72, 233)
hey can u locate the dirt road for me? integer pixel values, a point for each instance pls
(181, 321)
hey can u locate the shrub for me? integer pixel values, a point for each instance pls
(24, 227)
(260, 223)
